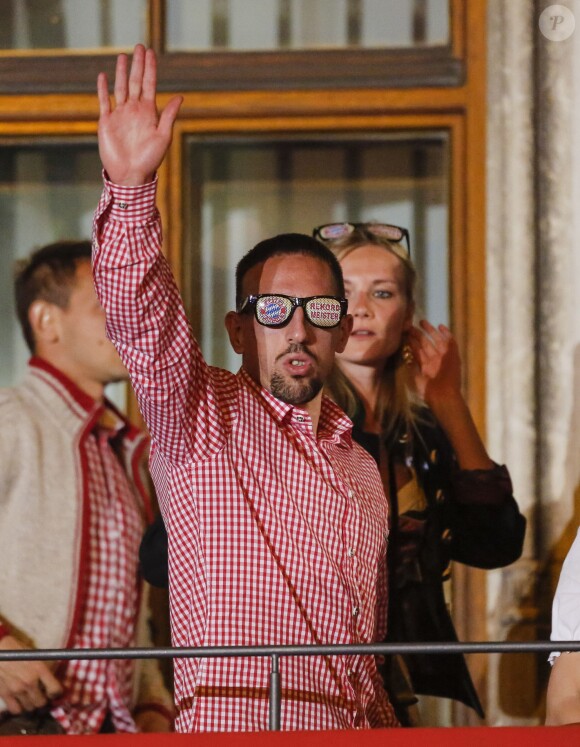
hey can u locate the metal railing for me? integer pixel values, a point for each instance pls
(277, 652)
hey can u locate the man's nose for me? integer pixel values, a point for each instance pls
(298, 328)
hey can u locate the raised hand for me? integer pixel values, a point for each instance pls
(437, 376)
(437, 369)
(25, 685)
(133, 137)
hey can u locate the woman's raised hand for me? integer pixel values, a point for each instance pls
(437, 365)
(437, 372)
(133, 137)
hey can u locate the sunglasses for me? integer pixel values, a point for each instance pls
(335, 231)
(276, 309)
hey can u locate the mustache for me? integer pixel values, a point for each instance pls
(297, 347)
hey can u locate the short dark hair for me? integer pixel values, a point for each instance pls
(48, 274)
(287, 243)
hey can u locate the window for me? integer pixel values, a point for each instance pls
(305, 24)
(72, 24)
(244, 190)
(48, 191)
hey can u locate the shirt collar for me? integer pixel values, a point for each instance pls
(81, 398)
(333, 425)
(104, 413)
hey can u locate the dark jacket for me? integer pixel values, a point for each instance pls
(471, 517)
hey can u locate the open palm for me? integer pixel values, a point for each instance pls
(133, 138)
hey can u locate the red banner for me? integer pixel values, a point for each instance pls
(542, 736)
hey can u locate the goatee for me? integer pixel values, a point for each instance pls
(294, 391)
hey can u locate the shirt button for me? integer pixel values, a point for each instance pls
(300, 418)
(350, 673)
(351, 552)
(355, 611)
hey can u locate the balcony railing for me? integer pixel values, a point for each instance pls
(277, 652)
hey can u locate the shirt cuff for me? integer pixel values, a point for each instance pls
(131, 204)
(492, 487)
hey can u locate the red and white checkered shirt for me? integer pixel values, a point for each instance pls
(276, 536)
(109, 608)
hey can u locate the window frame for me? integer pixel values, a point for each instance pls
(75, 71)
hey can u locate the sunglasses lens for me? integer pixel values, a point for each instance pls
(392, 233)
(273, 310)
(323, 312)
(334, 231)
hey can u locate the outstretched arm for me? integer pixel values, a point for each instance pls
(133, 137)
(437, 374)
(145, 316)
(487, 529)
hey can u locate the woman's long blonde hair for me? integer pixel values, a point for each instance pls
(398, 407)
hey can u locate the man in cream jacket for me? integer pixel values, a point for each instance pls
(73, 508)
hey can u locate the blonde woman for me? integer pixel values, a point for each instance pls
(401, 386)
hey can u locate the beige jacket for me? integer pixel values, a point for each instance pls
(44, 514)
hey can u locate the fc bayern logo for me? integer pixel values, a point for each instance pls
(273, 311)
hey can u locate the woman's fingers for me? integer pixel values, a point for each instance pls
(436, 339)
(423, 341)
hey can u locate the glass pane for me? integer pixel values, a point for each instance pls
(242, 192)
(305, 24)
(72, 24)
(48, 192)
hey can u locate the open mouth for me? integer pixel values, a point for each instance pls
(298, 365)
(361, 333)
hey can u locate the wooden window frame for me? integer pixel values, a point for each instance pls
(26, 71)
(241, 71)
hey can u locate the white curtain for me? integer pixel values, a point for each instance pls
(533, 281)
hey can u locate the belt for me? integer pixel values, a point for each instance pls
(263, 693)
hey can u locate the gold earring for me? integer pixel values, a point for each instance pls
(407, 355)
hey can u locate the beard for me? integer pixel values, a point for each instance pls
(294, 391)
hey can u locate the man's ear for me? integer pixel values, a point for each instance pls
(42, 316)
(344, 328)
(235, 331)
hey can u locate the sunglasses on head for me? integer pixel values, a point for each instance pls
(276, 309)
(330, 232)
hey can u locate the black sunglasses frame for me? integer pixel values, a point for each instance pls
(316, 232)
(251, 301)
